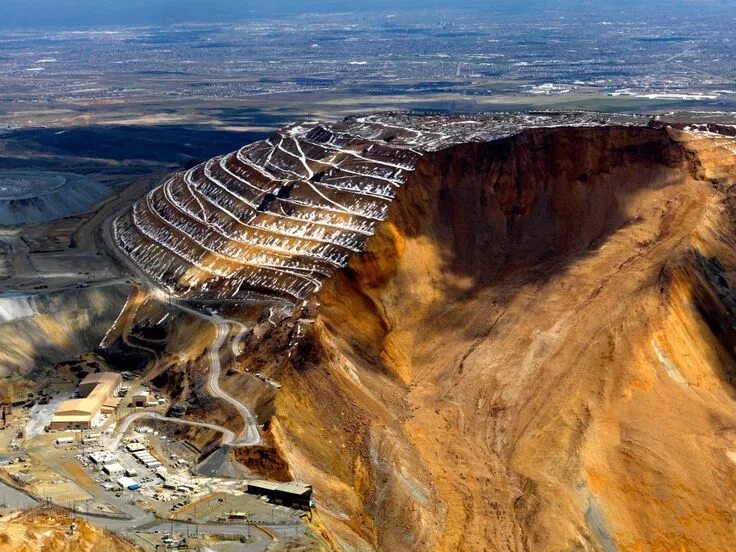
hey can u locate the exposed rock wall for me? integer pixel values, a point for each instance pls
(276, 218)
(48, 531)
(534, 353)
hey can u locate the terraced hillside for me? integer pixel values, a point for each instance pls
(276, 218)
(534, 351)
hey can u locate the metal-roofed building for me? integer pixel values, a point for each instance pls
(113, 469)
(293, 494)
(97, 394)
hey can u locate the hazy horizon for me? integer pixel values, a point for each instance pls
(90, 13)
(19, 14)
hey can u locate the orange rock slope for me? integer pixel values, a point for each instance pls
(49, 531)
(535, 352)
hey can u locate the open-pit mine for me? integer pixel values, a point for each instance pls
(425, 332)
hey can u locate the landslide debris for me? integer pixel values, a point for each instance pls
(531, 347)
(502, 367)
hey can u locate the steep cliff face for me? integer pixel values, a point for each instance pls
(531, 346)
(273, 220)
(535, 352)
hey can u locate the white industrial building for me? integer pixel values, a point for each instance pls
(103, 457)
(113, 469)
(129, 483)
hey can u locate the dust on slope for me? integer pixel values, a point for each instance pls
(533, 354)
(48, 531)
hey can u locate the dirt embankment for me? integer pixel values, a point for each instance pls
(49, 531)
(534, 353)
(41, 330)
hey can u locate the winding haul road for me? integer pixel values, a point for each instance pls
(249, 435)
(227, 435)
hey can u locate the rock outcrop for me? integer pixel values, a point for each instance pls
(46, 328)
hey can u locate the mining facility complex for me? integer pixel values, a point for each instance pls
(283, 338)
(387, 276)
(97, 396)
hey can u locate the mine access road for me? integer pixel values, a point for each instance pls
(250, 434)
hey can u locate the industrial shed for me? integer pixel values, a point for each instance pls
(97, 394)
(293, 494)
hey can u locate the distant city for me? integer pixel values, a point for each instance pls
(376, 275)
(554, 53)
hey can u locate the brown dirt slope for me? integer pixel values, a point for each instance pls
(48, 531)
(536, 352)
